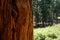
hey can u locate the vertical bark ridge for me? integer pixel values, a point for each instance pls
(6, 17)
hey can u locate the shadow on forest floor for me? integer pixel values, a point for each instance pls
(39, 25)
(45, 25)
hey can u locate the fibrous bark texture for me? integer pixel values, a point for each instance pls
(16, 20)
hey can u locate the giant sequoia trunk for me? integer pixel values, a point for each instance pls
(16, 20)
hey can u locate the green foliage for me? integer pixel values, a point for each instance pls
(46, 10)
(42, 37)
(48, 33)
(53, 36)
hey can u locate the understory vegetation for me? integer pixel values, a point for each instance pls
(47, 33)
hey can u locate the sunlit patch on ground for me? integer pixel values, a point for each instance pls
(47, 33)
(58, 17)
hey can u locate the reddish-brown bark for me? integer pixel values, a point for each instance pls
(16, 20)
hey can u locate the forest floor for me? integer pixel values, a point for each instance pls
(47, 33)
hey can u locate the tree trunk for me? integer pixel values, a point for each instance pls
(16, 20)
(43, 24)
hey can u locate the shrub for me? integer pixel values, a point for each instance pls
(42, 37)
(53, 36)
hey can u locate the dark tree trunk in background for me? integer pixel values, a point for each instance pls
(37, 15)
(43, 24)
(37, 19)
(16, 20)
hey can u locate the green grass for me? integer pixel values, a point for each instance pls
(48, 33)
